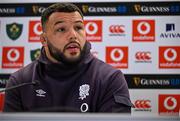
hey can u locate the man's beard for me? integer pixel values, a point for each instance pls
(60, 56)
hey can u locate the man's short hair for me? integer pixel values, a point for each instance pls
(58, 7)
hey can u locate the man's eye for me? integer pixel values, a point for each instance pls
(78, 28)
(61, 30)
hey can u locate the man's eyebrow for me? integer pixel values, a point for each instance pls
(58, 22)
(79, 21)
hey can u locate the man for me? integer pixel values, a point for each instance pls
(69, 77)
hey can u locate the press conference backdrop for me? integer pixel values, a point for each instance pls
(140, 38)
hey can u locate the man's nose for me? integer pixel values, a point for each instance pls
(72, 35)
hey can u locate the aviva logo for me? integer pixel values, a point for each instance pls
(14, 30)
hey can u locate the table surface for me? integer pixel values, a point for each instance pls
(81, 117)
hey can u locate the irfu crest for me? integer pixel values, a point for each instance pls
(35, 54)
(14, 30)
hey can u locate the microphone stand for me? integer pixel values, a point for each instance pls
(19, 85)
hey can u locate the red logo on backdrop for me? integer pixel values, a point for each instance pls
(1, 101)
(35, 30)
(117, 56)
(13, 57)
(143, 56)
(143, 30)
(93, 30)
(142, 105)
(117, 30)
(169, 104)
(169, 57)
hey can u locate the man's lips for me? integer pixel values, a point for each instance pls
(73, 47)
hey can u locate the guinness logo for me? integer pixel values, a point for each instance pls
(38, 9)
(85, 8)
(137, 8)
(136, 81)
(35, 9)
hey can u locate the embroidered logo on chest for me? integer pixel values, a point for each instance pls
(40, 93)
(84, 91)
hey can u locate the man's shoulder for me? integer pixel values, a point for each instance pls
(104, 68)
(107, 76)
(25, 71)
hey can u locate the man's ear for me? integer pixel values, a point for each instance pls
(43, 39)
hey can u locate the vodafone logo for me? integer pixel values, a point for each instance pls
(91, 28)
(170, 103)
(143, 56)
(117, 29)
(170, 54)
(35, 30)
(13, 55)
(117, 54)
(169, 57)
(143, 28)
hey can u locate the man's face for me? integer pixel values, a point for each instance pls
(65, 35)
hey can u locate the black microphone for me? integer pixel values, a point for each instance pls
(20, 85)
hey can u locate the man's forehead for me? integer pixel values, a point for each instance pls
(65, 16)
